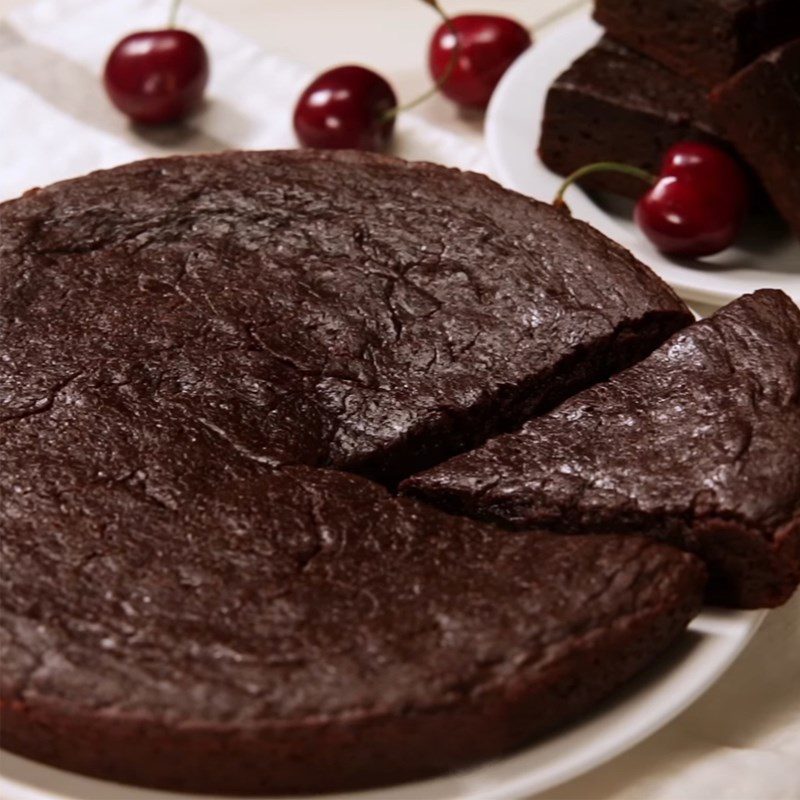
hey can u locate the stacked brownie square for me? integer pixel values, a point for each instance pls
(723, 71)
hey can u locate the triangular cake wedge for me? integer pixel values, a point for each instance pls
(698, 445)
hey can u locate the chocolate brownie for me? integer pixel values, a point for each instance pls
(350, 311)
(177, 615)
(698, 445)
(190, 598)
(704, 40)
(759, 110)
(613, 104)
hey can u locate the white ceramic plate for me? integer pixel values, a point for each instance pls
(767, 256)
(714, 640)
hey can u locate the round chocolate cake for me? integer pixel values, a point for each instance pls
(204, 365)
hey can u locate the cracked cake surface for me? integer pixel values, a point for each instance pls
(347, 311)
(196, 357)
(699, 445)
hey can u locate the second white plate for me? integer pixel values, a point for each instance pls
(766, 257)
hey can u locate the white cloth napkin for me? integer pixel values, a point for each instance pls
(56, 122)
(742, 740)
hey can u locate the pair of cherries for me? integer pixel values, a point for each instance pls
(354, 107)
(695, 207)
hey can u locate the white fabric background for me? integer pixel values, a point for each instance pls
(742, 740)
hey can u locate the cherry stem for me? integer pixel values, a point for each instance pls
(602, 166)
(393, 112)
(173, 13)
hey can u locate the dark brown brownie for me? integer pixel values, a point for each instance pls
(613, 104)
(698, 445)
(704, 40)
(343, 310)
(178, 615)
(759, 110)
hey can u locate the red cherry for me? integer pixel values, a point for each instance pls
(346, 108)
(157, 76)
(697, 205)
(487, 46)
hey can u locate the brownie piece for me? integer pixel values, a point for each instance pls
(178, 615)
(698, 445)
(342, 310)
(704, 40)
(613, 104)
(759, 110)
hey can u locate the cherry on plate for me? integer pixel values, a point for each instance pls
(157, 76)
(698, 204)
(471, 52)
(694, 207)
(348, 107)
